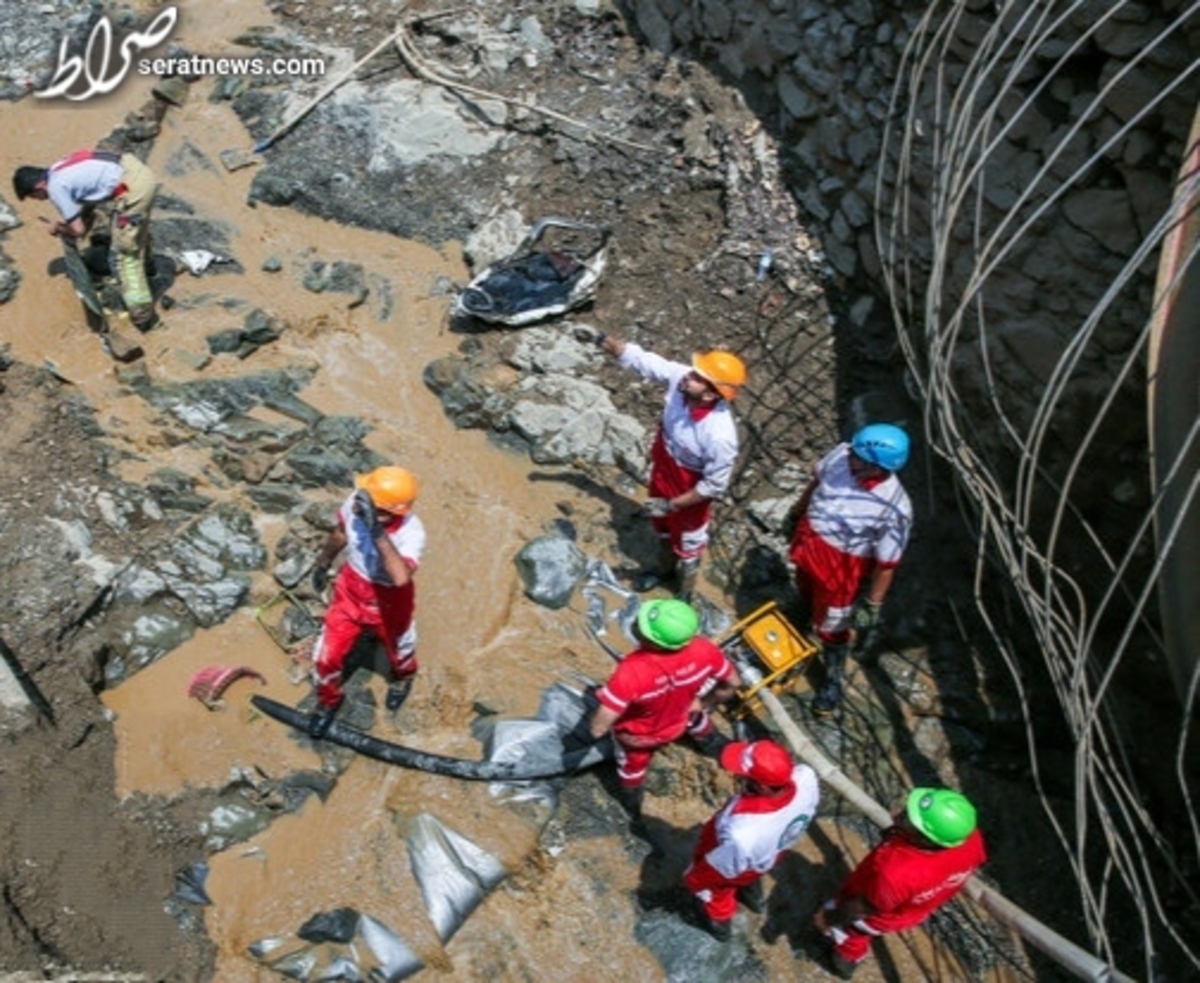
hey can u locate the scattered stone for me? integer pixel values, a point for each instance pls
(173, 90)
(550, 568)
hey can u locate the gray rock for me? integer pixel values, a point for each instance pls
(202, 404)
(495, 238)
(9, 278)
(553, 350)
(550, 568)
(274, 188)
(230, 532)
(276, 500)
(409, 122)
(233, 822)
(213, 602)
(8, 216)
(150, 637)
(138, 584)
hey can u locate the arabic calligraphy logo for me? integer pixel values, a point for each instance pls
(95, 63)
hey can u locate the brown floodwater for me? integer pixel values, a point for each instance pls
(481, 641)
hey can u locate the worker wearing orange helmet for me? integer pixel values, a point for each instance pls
(374, 589)
(691, 461)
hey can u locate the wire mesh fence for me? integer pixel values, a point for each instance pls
(1021, 230)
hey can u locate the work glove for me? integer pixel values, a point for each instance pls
(866, 616)
(586, 334)
(320, 722)
(320, 578)
(579, 738)
(364, 508)
(656, 508)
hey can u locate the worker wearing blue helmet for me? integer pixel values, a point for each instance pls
(855, 519)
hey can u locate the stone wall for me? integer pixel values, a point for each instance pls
(992, 174)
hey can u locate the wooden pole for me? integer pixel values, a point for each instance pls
(1075, 960)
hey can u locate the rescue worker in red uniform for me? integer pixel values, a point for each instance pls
(692, 458)
(925, 858)
(374, 589)
(854, 525)
(657, 694)
(775, 802)
(76, 185)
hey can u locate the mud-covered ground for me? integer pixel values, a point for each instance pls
(86, 878)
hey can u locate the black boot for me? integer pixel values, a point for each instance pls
(662, 570)
(397, 693)
(752, 897)
(830, 694)
(631, 802)
(689, 572)
(320, 722)
(721, 931)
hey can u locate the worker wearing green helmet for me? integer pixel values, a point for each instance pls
(925, 858)
(657, 694)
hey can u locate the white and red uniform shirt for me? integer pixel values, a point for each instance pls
(905, 883)
(704, 443)
(406, 533)
(872, 520)
(750, 832)
(364, 599)
(653, 691)
(850, 528)
(84, 177)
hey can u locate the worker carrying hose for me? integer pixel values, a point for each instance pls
(374, 590)
(692, 458)
(776, 800)
(657, 694)
(924, 860)
(81, 181)
(854, 522)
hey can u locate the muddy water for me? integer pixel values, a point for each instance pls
(481, 641)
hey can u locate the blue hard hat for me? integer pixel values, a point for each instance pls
(882, 444)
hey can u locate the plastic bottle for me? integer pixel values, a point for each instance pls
(764, 265)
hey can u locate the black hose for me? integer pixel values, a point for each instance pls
(437, 764)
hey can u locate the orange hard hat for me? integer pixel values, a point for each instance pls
(391, 489)
(723, 369)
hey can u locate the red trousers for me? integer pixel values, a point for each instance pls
(359, 605)
(634, 752)
(687, 529)
(717, 893)
(830, 579)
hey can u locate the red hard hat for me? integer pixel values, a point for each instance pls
(764, 762)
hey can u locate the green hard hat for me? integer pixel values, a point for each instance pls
(943, 815)
(668, 624)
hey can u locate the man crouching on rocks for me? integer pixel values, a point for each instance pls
(81, 181)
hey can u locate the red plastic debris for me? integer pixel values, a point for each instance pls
(208, 684)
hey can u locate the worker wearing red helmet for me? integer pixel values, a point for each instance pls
(692, 458)
(776, 800)
(925, 858)
(855, 520)
(374, 589)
